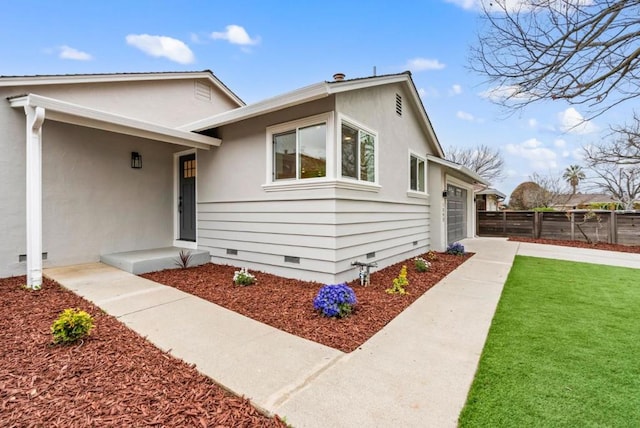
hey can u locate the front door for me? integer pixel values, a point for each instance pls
(187, 197)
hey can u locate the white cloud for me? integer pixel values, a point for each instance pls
(502, 93)
(162, 46)
(423, 64)
(572, 122)
(429, 92)
(455, 90)
(465, 4)
(236, 35)
(560, 143)
(540, 158)
(67, 52)
(465, 116)
(533, 123)
(513, 5)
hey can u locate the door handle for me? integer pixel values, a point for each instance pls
(180, 204)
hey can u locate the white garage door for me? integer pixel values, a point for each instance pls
(456, 214)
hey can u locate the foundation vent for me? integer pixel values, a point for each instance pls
(291, 259)
(232, 252)
(23, 257)
(371, 255)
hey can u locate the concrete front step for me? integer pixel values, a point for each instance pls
(152, 260)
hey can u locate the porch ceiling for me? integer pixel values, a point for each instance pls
(62, 111)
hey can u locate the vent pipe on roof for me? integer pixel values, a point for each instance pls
(338, 77)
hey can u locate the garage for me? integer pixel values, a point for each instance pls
(456, 213)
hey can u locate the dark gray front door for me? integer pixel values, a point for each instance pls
(187, 197)
(456, 214)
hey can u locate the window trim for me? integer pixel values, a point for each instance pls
(416, 192)
(323, 118)
(344, 119)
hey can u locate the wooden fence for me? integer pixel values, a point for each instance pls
(617, 227)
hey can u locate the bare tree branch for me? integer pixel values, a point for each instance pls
(584, 52)
(624, 149)
(484, 160)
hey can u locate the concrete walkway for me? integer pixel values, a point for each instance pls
(415, 372)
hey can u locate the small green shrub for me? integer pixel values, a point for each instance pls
(71, 325)
(421, 264)
(242, 277)
(399, 283)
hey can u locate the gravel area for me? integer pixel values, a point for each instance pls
(112, 378)
(582, 244)
(287, 304)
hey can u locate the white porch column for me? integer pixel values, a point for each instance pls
(35, 119)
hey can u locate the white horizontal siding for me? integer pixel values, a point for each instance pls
(326, 234)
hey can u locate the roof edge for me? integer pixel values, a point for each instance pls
(68, 79)
(458, 167)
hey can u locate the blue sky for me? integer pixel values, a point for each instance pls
(263, 48)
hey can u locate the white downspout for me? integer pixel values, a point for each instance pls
(35, 119)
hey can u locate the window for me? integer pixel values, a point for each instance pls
(416, 173)
(358, 153)
(300, 153)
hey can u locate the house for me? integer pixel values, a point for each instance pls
(572, 201)
(489, 199)
(300, 185)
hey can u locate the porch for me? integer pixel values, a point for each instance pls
(155, 259)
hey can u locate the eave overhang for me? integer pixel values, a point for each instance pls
(460, 168)
(62, 111)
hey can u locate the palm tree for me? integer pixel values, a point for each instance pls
(574, 175)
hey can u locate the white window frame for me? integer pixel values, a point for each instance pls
(360, 127)
(416, 192)
(327, 119)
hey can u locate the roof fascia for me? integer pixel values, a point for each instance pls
(117, 77)
(289, 99)
(460, 168)
(62, 111)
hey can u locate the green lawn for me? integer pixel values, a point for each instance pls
(563, 349)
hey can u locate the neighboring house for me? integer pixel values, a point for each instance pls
(299, 185)
(583, 201)
(489, 199)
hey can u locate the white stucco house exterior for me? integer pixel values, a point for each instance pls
(299, 185)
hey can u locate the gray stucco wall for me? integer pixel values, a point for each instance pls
(93, 201)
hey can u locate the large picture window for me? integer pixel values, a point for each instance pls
(358, 153)
(300, 153)
(417, 173)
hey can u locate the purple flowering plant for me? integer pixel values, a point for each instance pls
(335, 300)
(456, 248)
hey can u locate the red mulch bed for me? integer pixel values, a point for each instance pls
(581, 244)
(287, 304)
(113, 378)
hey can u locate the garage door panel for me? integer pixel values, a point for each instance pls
(456, 213)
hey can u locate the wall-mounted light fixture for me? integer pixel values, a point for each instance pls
(136, 160)
(444, 193)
